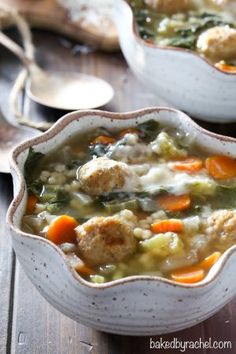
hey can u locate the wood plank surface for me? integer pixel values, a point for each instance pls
(28, 324)
(8, 70)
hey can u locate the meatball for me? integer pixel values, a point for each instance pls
(102, 175)
(218, 43)
(222, 224)
(105, 240)
(170, 6)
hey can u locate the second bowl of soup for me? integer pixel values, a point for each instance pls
(183, 51)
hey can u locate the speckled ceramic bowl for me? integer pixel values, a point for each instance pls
(137, 305)
(180, 76)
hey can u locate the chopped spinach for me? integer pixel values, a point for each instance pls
(187, 42)
(35, 187)
(98, 150)
(31, 162)
(187, 37)
(59, 200)
(148, 130)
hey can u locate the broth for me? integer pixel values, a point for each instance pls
(141, 201)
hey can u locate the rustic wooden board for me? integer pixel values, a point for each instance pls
(28, 324)
(50, 15)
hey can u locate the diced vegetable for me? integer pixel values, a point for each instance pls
(84, 270)
(202, 187)
(221, 167)
(165, 146)
(31, 203)
(82, 199)
(190, 165)
(172, 225)
(225, 67)
(97, 279)
(128, 131)
(98, 150)
(209, 261)
(31, 162)
(148, 130)
(104, 140)
(174, 203)
(188, 275)
(115, 206)
(62, 229)
(163, 245)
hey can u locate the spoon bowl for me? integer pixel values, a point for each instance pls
(61, 90)
(68, 91)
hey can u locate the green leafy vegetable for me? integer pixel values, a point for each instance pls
(148, 130)
(60, 199)
(115, 206)
(36, 187)
(31, 162)
(98, 150)
(187, 37)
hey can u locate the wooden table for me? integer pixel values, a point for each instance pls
(28, 324)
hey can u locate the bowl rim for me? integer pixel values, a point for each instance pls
(59, 126)
(170, 48)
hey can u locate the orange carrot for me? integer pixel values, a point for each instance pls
(190, 165)
(31, 203)
(172, 225)
(225, 67)
(62, 229)
(188, 275)
(128, 131)
(221, 167)
(174, 202)
(103, 139)
(84, 270)
(209, 261)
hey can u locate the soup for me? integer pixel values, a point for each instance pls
(142, 201)
(205, 26)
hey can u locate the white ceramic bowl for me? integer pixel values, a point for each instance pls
(180, 76)
(137, 305)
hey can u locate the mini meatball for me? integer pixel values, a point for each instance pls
(170, 6)
(105, 240)
(218, 43)
(222, 224)
(102, 175)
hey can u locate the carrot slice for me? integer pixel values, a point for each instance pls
(225, 67)
(188, 275)
(84, 270)
(221, 167)
(174, 202)
(62, 229)
(31, 203)
(190, 165)
(209, 261)
(171, 225)
(128, 131)
(103, 139)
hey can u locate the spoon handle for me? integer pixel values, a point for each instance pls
(17, 50)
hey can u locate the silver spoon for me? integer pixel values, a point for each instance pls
(62, 90)
(10, 137)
